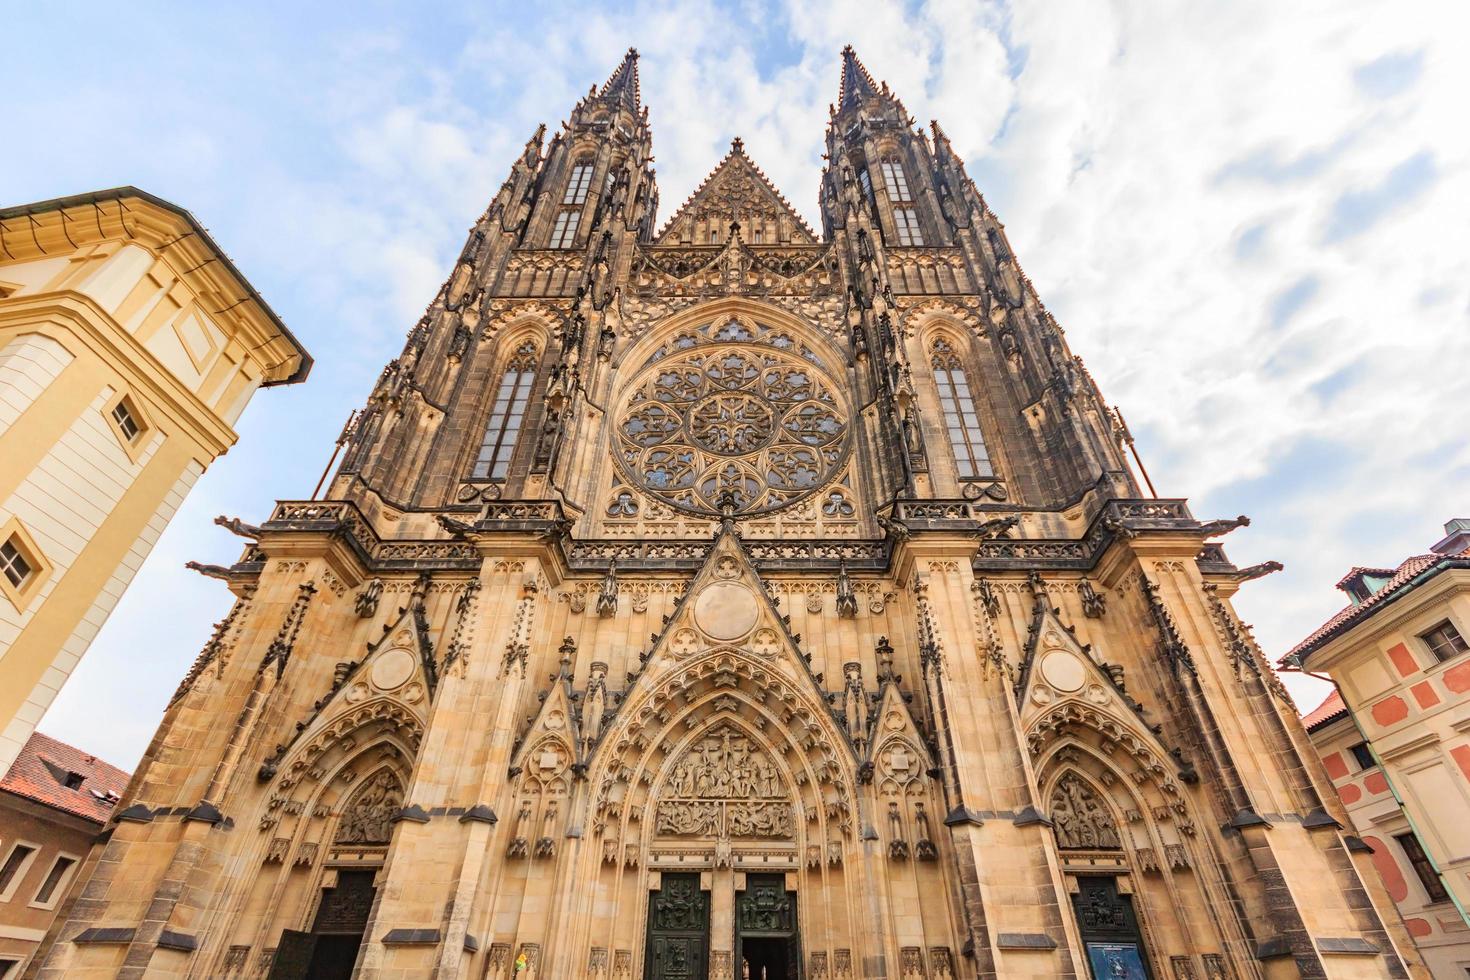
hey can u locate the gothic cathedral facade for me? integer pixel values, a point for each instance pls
(732, 599)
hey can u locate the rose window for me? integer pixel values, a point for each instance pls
(751, 427)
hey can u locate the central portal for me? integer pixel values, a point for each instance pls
(766, 943)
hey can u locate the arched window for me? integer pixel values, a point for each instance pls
(506, 416)
(578, 184)
(906, 222)
(960, 418)
(895, 182)
(564, 233)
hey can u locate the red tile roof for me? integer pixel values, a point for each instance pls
(1350, 615)
(41, 767)
(1329, 710)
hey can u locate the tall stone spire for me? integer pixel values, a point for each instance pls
(623, 83)
(856, 84)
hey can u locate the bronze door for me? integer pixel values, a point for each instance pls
(678, 930)
(767, 943)
(329, 950)
(1109, 927)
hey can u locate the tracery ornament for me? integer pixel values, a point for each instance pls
(1082, 820)
(368, 817)
(735, 419)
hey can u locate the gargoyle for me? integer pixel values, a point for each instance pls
(1215, 528)
(1256, 571)
(236, 526)
(212, 571)
(998, 528)
(457, 529)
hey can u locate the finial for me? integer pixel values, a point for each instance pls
(737, 145)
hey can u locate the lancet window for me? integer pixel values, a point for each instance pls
(577, 184)
(506, 415)
(960, 417)
(895, 182)
(564, 232)
(906, 223)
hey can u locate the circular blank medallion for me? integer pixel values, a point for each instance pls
(392, 669)
(1063, 670)
(725, 610)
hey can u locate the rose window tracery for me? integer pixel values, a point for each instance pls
(751, 425)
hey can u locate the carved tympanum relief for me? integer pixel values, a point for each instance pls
(368, 817)
(1081, 819)
(724, 786)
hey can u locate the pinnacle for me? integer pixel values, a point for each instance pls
(856, 82)
(623, 83)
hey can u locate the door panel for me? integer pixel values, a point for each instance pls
(678, 930)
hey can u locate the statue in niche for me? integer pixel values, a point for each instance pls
(855, 705)
(594, 706)
(1080, 819)
(368, 818)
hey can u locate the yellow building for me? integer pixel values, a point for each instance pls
(129, 346)
(724, 599)
(1395, 735)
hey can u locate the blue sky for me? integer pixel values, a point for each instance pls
(1250, 218)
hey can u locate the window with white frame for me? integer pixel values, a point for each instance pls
(564, 233)
(507, 415)
(13, 564)
(14, 867)
(23, 569)
(53, 886)
(577, 184)
(906, 222)
(961, 421)
(1444, 641)
(895, 182)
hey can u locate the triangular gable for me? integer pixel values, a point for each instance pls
(550, 744)
(736, 190)
(727, 605)
(1061, 676)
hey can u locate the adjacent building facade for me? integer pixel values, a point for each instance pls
(54, 801)
(1395, 735)
(129, 345)
(732, 598)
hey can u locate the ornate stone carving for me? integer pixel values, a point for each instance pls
(724, 787)
(753, 427)
(367, 818)
(1080, 819)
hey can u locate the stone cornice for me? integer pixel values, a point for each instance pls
(544, 525)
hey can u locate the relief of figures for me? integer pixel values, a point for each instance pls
(724, 766)
(724, 787)
(1081, 820)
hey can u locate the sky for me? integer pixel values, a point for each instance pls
(1250, 218)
